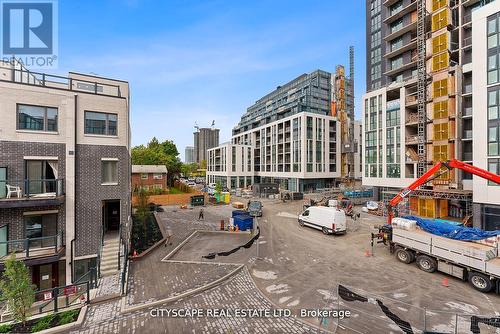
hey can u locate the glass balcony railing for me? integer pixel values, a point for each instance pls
(31, 247)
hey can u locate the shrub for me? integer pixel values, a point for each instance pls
(5, 328)
(68, 317)
(43, 323)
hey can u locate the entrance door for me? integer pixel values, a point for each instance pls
(45, 276)
(111, 215)
(4, 232)
(3, 182)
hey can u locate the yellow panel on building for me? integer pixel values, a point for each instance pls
(438, 4)
(440, 109)
(440, 62)
(440, 88)
(440, 43)
(441, 19)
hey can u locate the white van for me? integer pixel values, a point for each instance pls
(327, 219)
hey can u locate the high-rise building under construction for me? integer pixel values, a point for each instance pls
(433, 88)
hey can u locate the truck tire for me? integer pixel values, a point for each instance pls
(404, 256)
(325, 231)
(426, 263)
(480, 282)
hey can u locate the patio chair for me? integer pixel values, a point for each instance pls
(13, 190)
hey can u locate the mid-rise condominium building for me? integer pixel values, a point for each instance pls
(291, 136)
(454, 121)
(64, 172)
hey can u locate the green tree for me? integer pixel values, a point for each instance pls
(156, 153)
(218, 189)
(142, 214)
(203, 164)
(16, 288)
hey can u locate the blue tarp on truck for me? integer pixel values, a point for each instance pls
(446, 230)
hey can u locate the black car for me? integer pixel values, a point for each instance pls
(255, 208)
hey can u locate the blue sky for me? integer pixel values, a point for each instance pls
(198, 61)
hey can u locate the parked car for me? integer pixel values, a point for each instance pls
(191, 183)
(255, 208)
(328, 220)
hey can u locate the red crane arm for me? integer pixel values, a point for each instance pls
(429, 176)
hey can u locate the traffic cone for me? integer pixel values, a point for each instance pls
(367, 253)
(445, 282)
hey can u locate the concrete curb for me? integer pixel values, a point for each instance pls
(180, 296)
(179, 246)
(67, 327)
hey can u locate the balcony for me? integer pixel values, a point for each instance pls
(396, 52)
(28, 193)
(412, 26)
(467, 112)
(23, 76)
(411, 119)
(411, 139)
(467, 156)
(467, 135)
(397, 14)
(32, 248)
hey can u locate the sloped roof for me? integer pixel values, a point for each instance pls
(158, 169)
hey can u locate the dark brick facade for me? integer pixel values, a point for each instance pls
(12, 156)
(90, 193)
(15, 219)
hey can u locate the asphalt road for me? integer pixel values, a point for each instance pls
(300, 268)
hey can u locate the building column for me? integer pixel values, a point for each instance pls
(70, 184)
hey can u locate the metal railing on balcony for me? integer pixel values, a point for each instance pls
(467, 41)
(31, 247)
(47, 188)
(467, 111)
(24, 76)
(467, 89)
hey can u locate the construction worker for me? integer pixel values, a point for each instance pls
(200, 216)
(168, 240)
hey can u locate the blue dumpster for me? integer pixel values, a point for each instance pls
(239, 213)
(244, 222)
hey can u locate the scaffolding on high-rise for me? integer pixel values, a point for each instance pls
(343, 101)
(421, 88)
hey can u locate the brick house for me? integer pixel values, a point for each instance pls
(149, 177)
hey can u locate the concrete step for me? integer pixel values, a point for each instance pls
(111, 246)
(111, 251)
(108, 272)
(108, 260)
(113, 266)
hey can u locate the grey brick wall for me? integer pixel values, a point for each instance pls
(15, 219)
(90, 193)
(12, 156)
